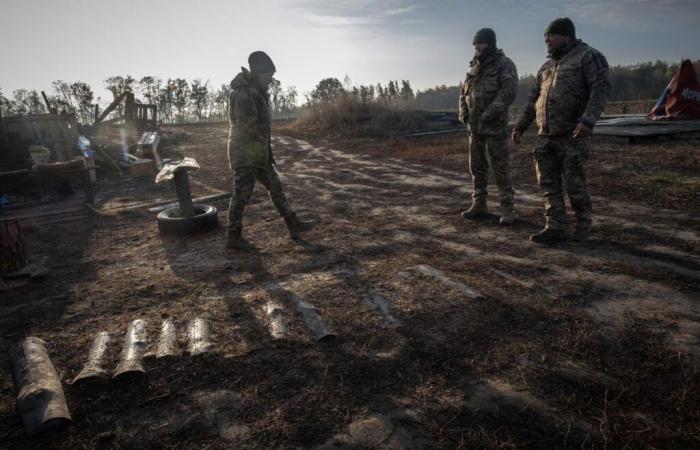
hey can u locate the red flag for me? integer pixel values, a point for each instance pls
(681, 99)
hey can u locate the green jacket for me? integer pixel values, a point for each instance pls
(487, 92)
(249, 116)
(568, 90)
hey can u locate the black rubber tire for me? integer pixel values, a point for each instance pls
(205, 218)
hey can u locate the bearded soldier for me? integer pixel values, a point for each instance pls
(567, 99)
(487, 92)
(250, 151)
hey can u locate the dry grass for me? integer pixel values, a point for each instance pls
(349, 116)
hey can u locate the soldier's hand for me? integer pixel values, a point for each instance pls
(516, 137)
(582, 130)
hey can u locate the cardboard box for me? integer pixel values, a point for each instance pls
(142, 168)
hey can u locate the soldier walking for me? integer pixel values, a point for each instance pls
(487, 92)
(567, 100)
(250, 150)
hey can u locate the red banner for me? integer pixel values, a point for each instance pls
(681, 98)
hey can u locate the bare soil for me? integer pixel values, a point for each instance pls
(587, 345)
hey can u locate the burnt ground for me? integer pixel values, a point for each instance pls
(588, 345)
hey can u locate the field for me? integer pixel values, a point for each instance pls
(446, 333)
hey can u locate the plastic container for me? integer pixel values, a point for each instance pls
(84, 147)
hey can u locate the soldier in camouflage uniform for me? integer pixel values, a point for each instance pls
(487, 92)
(250, 151)
(567, 99)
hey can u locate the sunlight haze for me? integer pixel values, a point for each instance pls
(426, 42)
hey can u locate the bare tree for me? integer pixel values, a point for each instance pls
(149, 88)
(166, 96)
(198, 97)
(181, 95)
(27, 102)
(275, 95)
(117, 85)
(82, 94)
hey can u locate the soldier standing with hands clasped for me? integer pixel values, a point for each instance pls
(487, 92)
(567, 100)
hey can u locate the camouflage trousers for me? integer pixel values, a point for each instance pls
(490, 151)
(561, 162)
(243, 184)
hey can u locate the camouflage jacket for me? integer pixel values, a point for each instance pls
(249, 116)
(487, 92)
(569, 90)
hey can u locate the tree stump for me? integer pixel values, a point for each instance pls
(13, 255)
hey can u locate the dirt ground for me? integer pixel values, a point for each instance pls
(407, 326)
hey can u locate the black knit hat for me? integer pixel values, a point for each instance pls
(485, 36)
(259, 62)
(563, 26)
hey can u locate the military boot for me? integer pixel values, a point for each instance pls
(479, 208)
(507, 215)
(549, 235)
(236, 241)
(296, 226)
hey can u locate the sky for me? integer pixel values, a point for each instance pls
(370, 41)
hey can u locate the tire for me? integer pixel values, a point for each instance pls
(205, 218)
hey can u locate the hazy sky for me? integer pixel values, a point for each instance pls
(426, 42)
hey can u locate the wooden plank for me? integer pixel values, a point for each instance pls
(109, 109)
(48, 104)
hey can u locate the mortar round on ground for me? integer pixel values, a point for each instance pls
(170, 221)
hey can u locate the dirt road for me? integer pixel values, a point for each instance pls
(394, 323)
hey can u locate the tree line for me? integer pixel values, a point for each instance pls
(641, 81)
(178, 100)
(393, 94)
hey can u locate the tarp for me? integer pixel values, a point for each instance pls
(169, 169)
(681, 98)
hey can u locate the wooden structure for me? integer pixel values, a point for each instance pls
(58, 132)
(136, 116)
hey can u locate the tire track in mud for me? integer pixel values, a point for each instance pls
(415, 207)
(355, 276)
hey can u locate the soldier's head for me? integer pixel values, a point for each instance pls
(484, 40)
(559, 33)
(262, 68)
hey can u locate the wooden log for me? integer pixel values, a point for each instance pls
(167, 342)
(93, 370)
(41, 402)
(105, 157)
(109, 109)
(200, 337)
(13, 254)
(131, 363)
(48, 103)
(279, 320)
